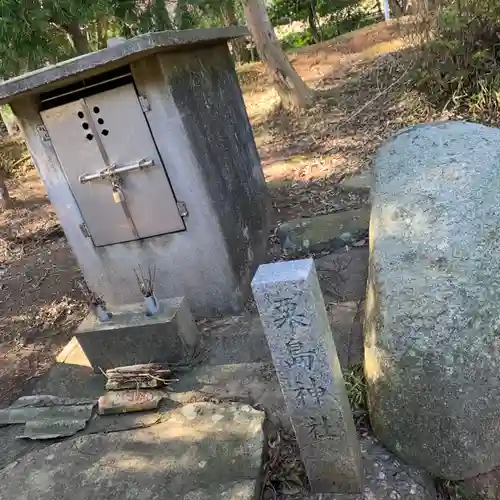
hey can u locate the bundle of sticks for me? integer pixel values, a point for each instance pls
(146, 376)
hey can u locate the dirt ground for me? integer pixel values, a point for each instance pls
(304, 156)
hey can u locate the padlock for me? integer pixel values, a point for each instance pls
(118, 195)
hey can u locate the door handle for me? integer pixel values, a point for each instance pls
(108, 172)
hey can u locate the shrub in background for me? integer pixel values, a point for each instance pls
(330, 26)
(459, 55)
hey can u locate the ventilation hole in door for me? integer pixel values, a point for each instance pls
(89, 137)
(100, 121)
(80, 114)
(105, 132)
(96, 109)
(85, 125)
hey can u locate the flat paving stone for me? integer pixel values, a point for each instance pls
(342, 274)
(200, 451)
(342, 277)
(362, 181)
(301, 236)
(255, 384)
(346, 322)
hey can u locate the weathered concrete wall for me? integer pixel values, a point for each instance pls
(205, 90)
(196, 263)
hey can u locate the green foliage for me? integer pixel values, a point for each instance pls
(355, 384)
(299, 10)
(34, 33)
(296, 39)
(349, 19)
(317, 13)
(459, 56)
(26, 36)
(338, 23)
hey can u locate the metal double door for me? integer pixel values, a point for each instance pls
(113, 167)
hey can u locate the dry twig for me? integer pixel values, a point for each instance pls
(371, 101)
(139, 376)
(146, 281)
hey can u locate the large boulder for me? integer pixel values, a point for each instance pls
(432, 328)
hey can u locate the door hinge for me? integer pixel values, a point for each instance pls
(143, 101)
(85, 230)
(43, 133)
(182, 208)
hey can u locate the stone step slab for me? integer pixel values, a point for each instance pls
(200, 451)
(302, 236)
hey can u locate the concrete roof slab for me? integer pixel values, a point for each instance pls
(119, 54)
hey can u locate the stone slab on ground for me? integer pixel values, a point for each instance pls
(250, 383)
(12, 448)
(433, 300)
(240, 490)
(234, 339)
(130, 337)
(362, 181)
(386, 478)
(346, 322)
(342, 274)
(324, 232)
(21, 415)
(201, 450)
(483, 487)
(342, 277)
(255, 384)
(72, 380)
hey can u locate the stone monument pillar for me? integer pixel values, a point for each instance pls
(296, 325)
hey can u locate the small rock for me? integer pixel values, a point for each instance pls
(129, 401)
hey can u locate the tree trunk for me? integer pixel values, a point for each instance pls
(238, 46)
(9, 120)
(77, 37)
(311, 17)
(294, 93)
(4, 194)
(161, 16)
(397, 7)
(102, 32)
